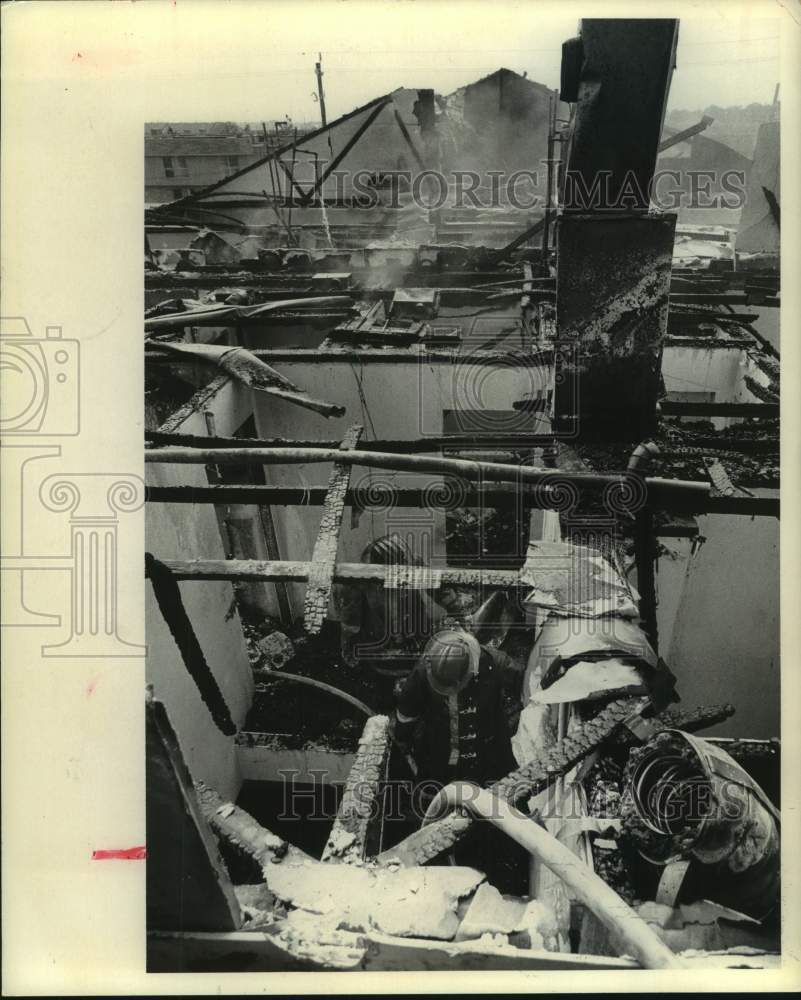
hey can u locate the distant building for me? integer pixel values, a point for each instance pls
(184, 157)
(506, 121)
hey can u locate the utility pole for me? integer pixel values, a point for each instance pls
(318, 69)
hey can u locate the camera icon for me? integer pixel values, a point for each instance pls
(41, 380)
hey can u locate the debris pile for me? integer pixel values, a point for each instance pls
(558, 356)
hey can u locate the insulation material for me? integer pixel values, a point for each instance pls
(591, 681)
(537, 726)
(531, 924)
(574, 580)
(563, 642)
(411, 902)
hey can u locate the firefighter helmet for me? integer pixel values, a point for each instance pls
(451, 658)
(388, 550)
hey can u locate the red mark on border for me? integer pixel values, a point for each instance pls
(121, 854)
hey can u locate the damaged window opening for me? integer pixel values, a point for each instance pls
(440, 675)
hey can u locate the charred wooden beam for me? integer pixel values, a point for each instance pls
(687, 133)
(551, 482)
(511, 498)
(516, 787)
(168, 598)
(711, 343)
(646, 551)
(744, 749)
(228, 315)
(413, 445)
(242, 836)
(674, 408)
(340, 156)
(691, 720)
(721, 480)
(353, 832)
(540, 358)
(298, 572)
(324, 554)
(748, 298)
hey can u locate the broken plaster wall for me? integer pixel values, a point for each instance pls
(184, 531)
(392, 401)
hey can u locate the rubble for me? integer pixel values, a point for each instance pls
(276, 650)
(598, 449)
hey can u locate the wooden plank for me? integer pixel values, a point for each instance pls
(324, 554)
(188, 887)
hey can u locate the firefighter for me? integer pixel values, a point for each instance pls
(387, 627)
(450, 710)
(450, 716)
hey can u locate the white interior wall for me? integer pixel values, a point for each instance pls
(185, 531)
(718, 620)
(711, 369)
(392, 401)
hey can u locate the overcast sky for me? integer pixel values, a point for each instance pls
(256, 60)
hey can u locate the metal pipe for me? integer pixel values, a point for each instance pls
(633, 934)
(311, 682)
